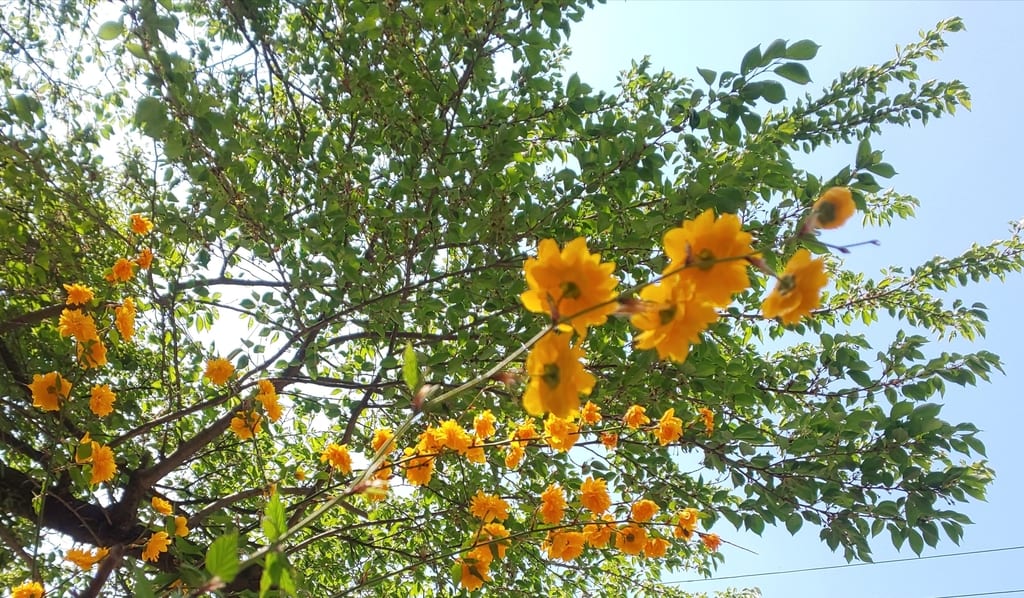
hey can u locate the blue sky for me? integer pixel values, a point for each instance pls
(965, 172)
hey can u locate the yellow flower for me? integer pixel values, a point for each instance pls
(381, 436)
(798, 289)
(656, 548)
(140, 224)
(594, 495)
(77, 324)
(610, 440)
(48, 390)
(475, 568)
(300, 474)
(32, 589)
(103, 465)
(418, 468)
(101, 400)
(122, 271)
(557, 378)
(833, 208)
(483, 424)
(267, 396)
(451, 435)
(669, 429)
(524, 433)
(488, 507)
(568, 282)
(85, 559)
(643, 510)
(493, 534)
(686, 523)
(145, 258)
(219, 370)
(514, 456)
(246, 424)
(673, 319)
(124, 318)
(631, 539)
(157, 544)
(711, 541)
(78, 294)
(712, 251)
(636, 417)
(552, 505)
(565, 545)
(599, 533)
(161, 506)
(338, 457)
(560, 434)
(92, 354)
(180, 526)
(475, 453)
(590, 414)
(709, 419)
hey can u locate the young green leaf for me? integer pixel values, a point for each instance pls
(795, 72)
(410, 369)
(804, 49)
(222, 557)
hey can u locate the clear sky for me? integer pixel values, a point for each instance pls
(965, 170)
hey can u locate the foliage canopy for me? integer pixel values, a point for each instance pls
(343, 196)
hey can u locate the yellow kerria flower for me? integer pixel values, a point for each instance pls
(156, 545)
(656, 548)
(708, 417)
(524, 433)
(145, 258)
(594, 495)
(267, 396)
(77, 324)
(122, 271)
(712, 251)
(673, 318)
(48, 390)
(599, 533)
(493, 534)
(590, 414)
(381, 436)
(219, 370)
(85, 559)
(488, 507)
(475, 567)
(140, 224)
(833, 208)
(552, 505)
(514, 456)
(610, 440)
(101, 400)
(798, 290)
(475, 453)
(78, 294)
(670, 428)
(161, 506)
(338, 457)
(711, 541)
(483, 424)
(565, 545)
(124, 318)
(452, 436)
(643, 510)
(418, 468)
(180, 526)
(686, 523)
(636, 416)
(92, 354)
(570, 281)
(31, 589)
(557, 378)
(631, 539)
(103, 465)
(560, 434)
(246, 424)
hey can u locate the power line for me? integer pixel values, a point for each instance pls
(983, 594)
(843, 566)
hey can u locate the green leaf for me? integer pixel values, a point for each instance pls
(273, 520)
(804, 49)
(151, 116)
(773, 92)
(708, 75)
(863, 154)
(410, 369)
(110, 30)
(795, 72)
(222, 557)
(882, 169)
(794, 522)
(751, 60)
(776, 49)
